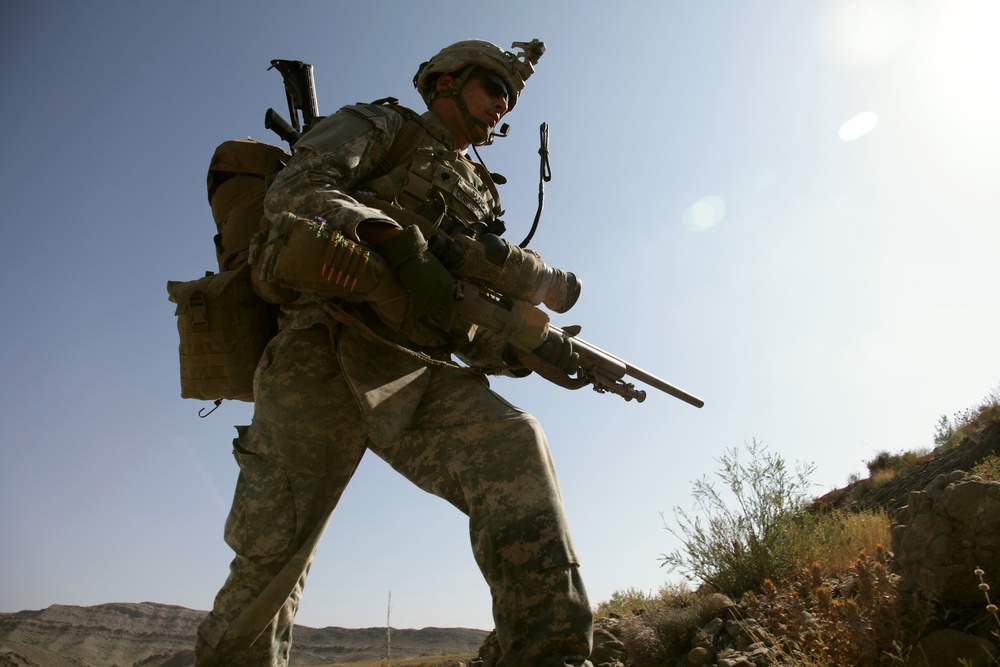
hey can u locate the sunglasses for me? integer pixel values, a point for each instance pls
(494, 85)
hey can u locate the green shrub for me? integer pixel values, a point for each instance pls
(635, 601)
(946, 435)
(988, 468)
(736, 548)
(884, 462)
(628, 601)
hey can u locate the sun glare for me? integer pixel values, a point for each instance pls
(963, 56)
(939, 90)
(950, 89)
(857, 33)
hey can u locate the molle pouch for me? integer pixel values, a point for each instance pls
(310, 257)
(223, 327)
(447, 175)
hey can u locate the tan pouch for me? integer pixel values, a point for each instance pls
(238, 177)
(223, 327)
(311, 258)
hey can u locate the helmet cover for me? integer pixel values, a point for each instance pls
(513, 69)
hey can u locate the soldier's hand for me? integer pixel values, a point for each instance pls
(430, 285)
(559, 352)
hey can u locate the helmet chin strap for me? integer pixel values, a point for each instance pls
(474, 125)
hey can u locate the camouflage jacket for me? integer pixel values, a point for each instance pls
(337, 172)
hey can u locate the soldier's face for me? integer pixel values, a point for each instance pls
(486, 100)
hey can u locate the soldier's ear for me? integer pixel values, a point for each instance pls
(444, 82)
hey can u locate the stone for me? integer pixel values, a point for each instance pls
(608, 649)
(714, 627)
(945, 534)
(735, 661)
(699, 655)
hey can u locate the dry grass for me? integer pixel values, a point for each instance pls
(880, 477)
(832, 541)
(973, 420)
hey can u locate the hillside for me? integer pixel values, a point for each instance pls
(920, 591)
(893, 494)
(147, 634)
(913, 592)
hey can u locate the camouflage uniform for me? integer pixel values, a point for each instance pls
(324, 393)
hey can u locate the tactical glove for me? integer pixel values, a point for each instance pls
(559, 352)
(430, 285)
(556, 351)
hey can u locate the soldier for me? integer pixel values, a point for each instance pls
(339, 379)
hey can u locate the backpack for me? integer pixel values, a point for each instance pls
(238, 177)
(226, 319)
(223, 324)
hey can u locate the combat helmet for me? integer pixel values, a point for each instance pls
(462, 59)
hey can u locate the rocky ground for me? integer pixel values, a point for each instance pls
(946, 525)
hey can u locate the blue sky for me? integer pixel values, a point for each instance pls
(831, 294)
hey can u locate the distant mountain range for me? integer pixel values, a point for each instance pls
(148, 634)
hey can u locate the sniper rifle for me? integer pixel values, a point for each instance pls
(522, 325)
(528, 326)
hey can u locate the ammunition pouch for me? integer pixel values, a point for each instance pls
(224, 327)
(300, 256)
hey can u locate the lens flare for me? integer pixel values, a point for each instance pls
(704, 213)
(858, 126)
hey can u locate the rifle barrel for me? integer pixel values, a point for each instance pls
(663, 385)
(635, 372)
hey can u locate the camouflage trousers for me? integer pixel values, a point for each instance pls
(323, 396)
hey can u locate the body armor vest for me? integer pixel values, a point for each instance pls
(451, 192)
